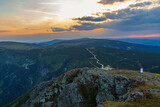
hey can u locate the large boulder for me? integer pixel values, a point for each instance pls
(131, 97)
(70, 96)
(83, 87)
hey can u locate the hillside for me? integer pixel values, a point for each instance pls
(23, 67)
(17, 46)
(148, 41)
(95, 87)
(109, 43)
(55, 41)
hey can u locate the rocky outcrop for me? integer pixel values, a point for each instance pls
(70, 96)
(131, 97)
(82, 87)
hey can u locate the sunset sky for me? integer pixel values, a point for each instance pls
(42, 20)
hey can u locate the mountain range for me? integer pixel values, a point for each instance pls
(95, 88)
(23, 66)
(148, 41)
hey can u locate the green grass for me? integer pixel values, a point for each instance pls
(21, 100)
(148, 100)
(56, 58)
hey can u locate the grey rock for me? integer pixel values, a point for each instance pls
(49, 104)
(70, 97)
(105, 89)
(121, 83)
(66, 91)
(154, 91)
(131, 97)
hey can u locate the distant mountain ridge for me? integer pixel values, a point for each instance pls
(17, 45)
(48, 43)
(83, 42)
(52, 42)
(141, 41)
(111, 44)
(153, 42)
(23, 66)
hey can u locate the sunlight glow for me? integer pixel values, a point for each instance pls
(76, 8)
(40, 15)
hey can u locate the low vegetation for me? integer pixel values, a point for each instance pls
(19, 76)
(89, 93)
(148, 100)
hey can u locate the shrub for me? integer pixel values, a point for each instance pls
(89, 93)
(148, 95)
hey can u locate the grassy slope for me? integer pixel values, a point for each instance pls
(110, 43)
(58, 59)
(17, 46)
(152, 81)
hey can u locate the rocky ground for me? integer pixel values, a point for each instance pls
(93, 87)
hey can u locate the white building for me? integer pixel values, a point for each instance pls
(108, 67)
(141, 70)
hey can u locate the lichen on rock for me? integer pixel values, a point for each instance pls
(84, 87)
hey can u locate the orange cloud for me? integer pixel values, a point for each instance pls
(98, 29)
(136, 36)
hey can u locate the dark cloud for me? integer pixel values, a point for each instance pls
(117, 15)
(55, 29)
(89, 18)
(105, 2)
(86, 26)
(142, 20)
(141, 4)
(128, 20)
(120, 14)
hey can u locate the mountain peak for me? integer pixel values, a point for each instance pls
(92, 87)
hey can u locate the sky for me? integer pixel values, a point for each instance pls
(42, 20)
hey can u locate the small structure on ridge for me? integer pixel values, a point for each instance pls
(141, 70)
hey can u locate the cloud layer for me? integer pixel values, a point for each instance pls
(105, 2)
(125, 20)
(111, 17)
(2, 31)
(137, 18)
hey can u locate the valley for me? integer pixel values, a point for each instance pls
(24, 66)
(90, 87)
(79, 53)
